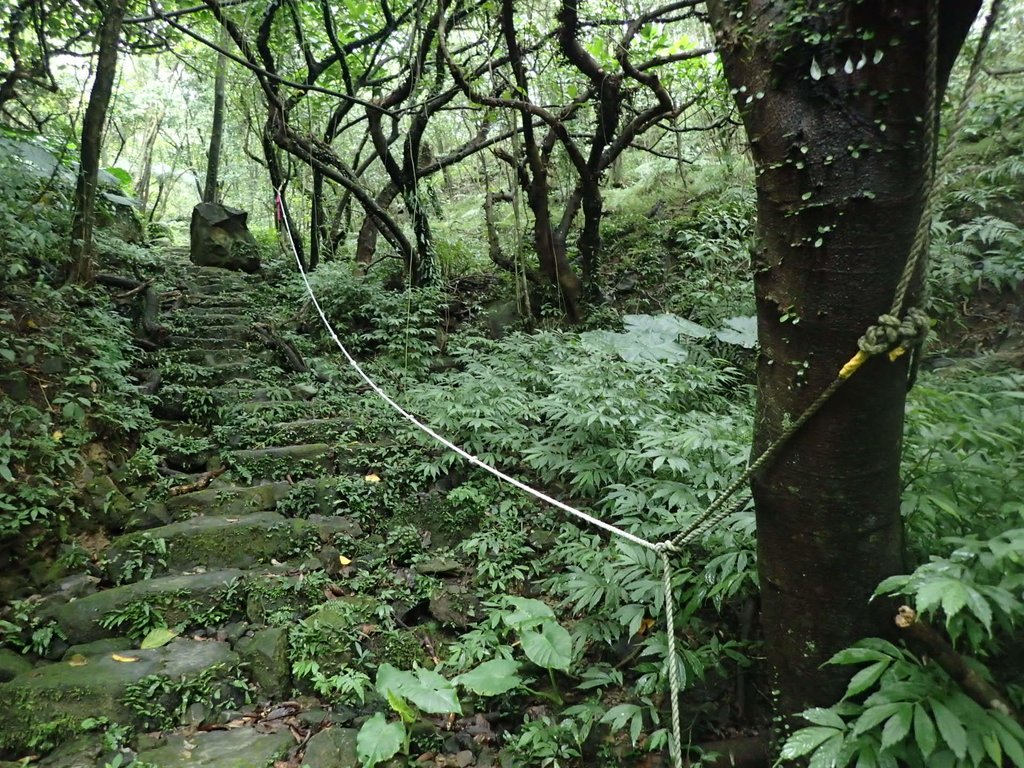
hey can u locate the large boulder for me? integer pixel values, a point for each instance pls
(220, 237)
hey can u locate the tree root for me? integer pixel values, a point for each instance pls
(150, 301)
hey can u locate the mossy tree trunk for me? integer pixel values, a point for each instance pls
(833, 98)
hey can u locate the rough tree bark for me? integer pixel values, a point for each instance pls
(81, 268)
(833, 100)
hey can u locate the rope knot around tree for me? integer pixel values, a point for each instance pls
(890, 335)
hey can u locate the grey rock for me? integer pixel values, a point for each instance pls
(332, 748)
(455, 606)
(220, 237)
(236, 748)
(266, 652)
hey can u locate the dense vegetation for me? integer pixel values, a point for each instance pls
(563, 286)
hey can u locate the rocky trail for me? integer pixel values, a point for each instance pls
(245, 565)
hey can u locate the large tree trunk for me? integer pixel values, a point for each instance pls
(835, 130)
(210, 188)
(81, 269)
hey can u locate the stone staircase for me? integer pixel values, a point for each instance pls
(259, 446)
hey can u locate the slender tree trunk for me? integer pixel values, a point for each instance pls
(834, 125)
(142, 185)
(81, 268)
(283, 215)
(317, 226)
(210, 188)
(366, 243)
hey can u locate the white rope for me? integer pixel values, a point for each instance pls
(662, 548)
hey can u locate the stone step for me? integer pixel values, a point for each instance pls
(218, 374)
(238, 354)
(214, 317)
(206, 542)
(82, 619)
(281, 462)
(301, 430)
(209, 342)
(235, 748)
(228, 303)
(231, 500)
(58, 697)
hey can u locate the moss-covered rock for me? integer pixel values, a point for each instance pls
(237, 748)
(81, 620)
(46, 706)
(216, 542)
(266, 652)
(12, 664)
(332, 748)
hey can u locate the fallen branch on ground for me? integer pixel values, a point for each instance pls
(198, 485)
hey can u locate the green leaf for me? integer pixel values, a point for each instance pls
(550, 648)
(827, 755)
(872, 716)
(821, 716)
(424, 688)
(954, 597)
(950, 729)
(492, 678)
(158, 637)
(924, 731)
(898, 726)
(866, 678)
(528, 613)
(804, 741)
(433, 694)
(378, 740)
(892, 585)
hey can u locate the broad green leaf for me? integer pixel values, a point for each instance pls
(401, 707)
(424, 689)
(924, 731)
(858, 655)
(821, 716)
(378, 740)
(980, 608)
(898, 726)
(1012, 744)
(954, 598)
(866, 678)
(492, 678)
(992, 748)
(528, 613)
(930, 594)
(892, 585)
(393, 679)
(433, 693)
(158, 637)
(950, 729)
(804, 741)
(873, 716)
(551, 647)
(826, 756)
